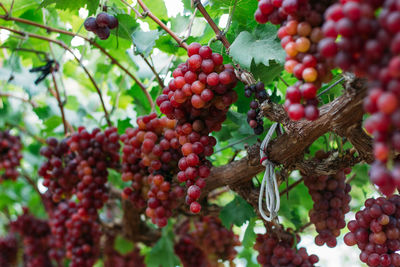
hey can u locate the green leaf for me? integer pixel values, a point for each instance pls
(73, 5)
(162, 254)
(261, 46)
(295, 218)
(52, 123)
(266, 74)
(126, 26)
(249, 237)
(123, 125)
(122, 245)
(142, 106)
(144, 41)
(236, 212)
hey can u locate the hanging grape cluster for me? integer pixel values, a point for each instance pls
(101, 25)
(253, 115)
(10, 156)
(150, 160)
(375, 231)
(277, 252)
(35, 235)
(300, 35)
(369, 44)
(331, 198)
(8, 250)
(198, 98)
(204, 241)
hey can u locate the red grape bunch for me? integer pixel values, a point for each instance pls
(369, 45)
(150, 160)
(277, 252)
(375, 231)
(206, 238)
(101, 25)
(95, 152)
(8, 250)
(260, 95)
(10, 156)
(198, 97)
(35, 234)
(59, 170)
(300, 34)
(331, 198)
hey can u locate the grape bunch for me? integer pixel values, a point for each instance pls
(198, 98)
(282, 253)
(150, 160)
(8, 250)
(369, 44)
(375, 231)
(101, 25)
(10, 156)
(35, 234)
(331, 198)
(59, 169)
(95, 152)
(260, 95)
(207, 238)
(300, 33)
(115, 259)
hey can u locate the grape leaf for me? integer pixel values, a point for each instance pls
(266, 74)
(162, 254)
(126, 26)
(142, 106)
(92, 5)
(144, 41)
(249, 236)
(236, 212)
(260, 46)
(122, 245)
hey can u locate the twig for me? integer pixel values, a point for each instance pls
(4, 8)
(302, 228)
(210, 21)
(31, 102)
(92, 42)
(147, 12)
(290, 187)
(190, 25)
(351, 179)
(235, 143)
(133, 9)
(159, 80)
(32, 183)
(63, 45)
(38, 52)
(331, 86)
(60, 104)
(280, 78)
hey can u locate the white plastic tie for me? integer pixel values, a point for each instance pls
(268, 184)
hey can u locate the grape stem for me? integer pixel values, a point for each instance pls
(26, 100)
(159, 80)
(220, 34)
(64, 46)
(92, 42)
(147, 12)
(290, 187)
(133, 9)
(60, 104)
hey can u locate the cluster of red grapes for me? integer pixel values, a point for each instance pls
(331, 198)
(260, 95)
(198, 97)
(115, 259)
(35, 234)
(369, 44)
(10, 156)
(205, 236)
(300, 34)
(59, 170)
(375, 231)
(277, 252)
(150, 160)
(8, 250)
(96, 151)
(101, 25)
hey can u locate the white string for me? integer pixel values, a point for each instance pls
(268, 184)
